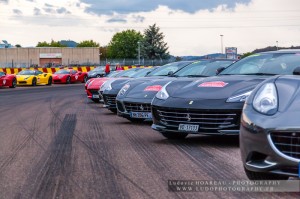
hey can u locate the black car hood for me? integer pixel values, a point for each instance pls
(219, 87)
(119, 83)
(139, 86)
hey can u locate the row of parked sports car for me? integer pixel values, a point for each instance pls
(36, 77)
(256, 98)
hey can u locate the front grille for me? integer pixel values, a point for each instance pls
(110, 100)
(206, 119)
(287, 143)
(94, 91)
(137, 107)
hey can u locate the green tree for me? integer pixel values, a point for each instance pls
(124, 45)
(153, 46)
(18, 45)
(88, 43)
(52, 44)
(246, 54)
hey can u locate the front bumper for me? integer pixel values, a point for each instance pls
(93, 94)
(196, 116)
(134, 108)
(24, 82)
(270, 143)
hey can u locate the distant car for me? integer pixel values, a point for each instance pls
(8, 80)
(136, 95)
(270, 130)
(213, 105)
(68, 76)
(97, 72)
(95, 83)
(109, 90)
(33, 77)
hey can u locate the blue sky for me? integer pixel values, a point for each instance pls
(190, 27)
(130, 6)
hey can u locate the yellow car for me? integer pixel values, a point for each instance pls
(33, 77)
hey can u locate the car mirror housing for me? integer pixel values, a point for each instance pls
(219, 70)
(170, 73)
(296, 71)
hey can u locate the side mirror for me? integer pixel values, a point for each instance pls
(170, 73)
(296, 71)
(219, 70)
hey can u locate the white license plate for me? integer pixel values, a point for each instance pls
(145, 115)
(188, 127)
(96, 96)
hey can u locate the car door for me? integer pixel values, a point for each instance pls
(41, 78)
(74, 75)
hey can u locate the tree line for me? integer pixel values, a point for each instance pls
(127, 44)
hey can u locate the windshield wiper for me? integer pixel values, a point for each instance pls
(196, 76)
(259, 74)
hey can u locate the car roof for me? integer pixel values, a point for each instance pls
(283, 51)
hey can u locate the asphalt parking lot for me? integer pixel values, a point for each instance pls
(56, 143)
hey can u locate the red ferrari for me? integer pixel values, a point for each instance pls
(67, 76)
(8, 80)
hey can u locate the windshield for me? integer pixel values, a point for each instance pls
(127, 73)
(2, 74)
(165, 69)
(62, 72)
(99, 68)
(26, 72)
(202, 68)
(142, 73)
(113, 74)
(265, 64)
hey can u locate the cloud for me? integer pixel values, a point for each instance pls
(17, 12)
(104, 7)
(138, 19)
(37, 11)
(116, 20)
(4, 1)
(62, 11)
(48, 5)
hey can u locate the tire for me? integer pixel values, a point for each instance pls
(14, 83)
(135, 120)
(49, 81)
(174, 135)
(95, 100)
(68, 81)
(33, 82)
(98, 76)
(264, 176)
(84, 79)
(113, 110)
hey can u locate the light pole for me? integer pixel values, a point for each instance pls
(221, 43)
(139, 52)
(277, 44)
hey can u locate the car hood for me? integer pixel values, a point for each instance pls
(219, 87)
(96, 83)
(146, 87)
(60, 75)
(119, 83)
(24, 76)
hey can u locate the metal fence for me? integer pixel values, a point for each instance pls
(122, 62)
(135, 62)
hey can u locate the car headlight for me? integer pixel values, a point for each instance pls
(266, 101)
(163, 93)
(124, 89)
(106, 86)
(239, 98)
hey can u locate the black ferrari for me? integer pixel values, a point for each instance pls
(134, 99)
(213, 105)
(270, 130)
(109, 90)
